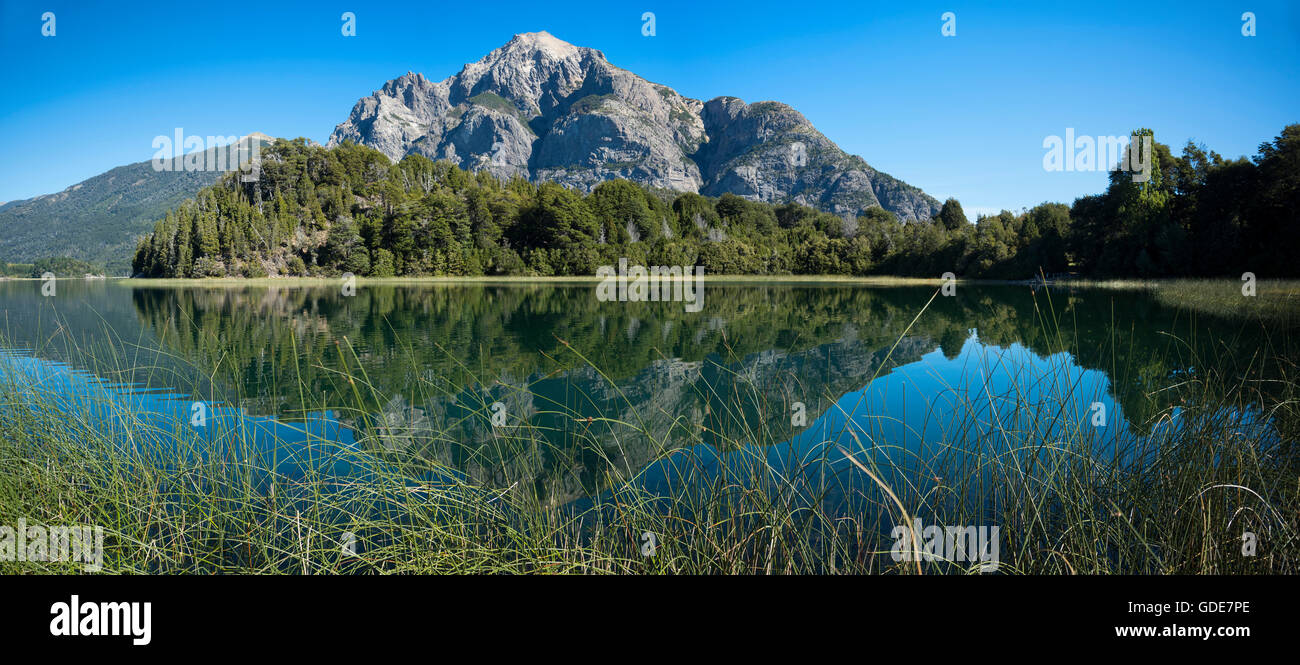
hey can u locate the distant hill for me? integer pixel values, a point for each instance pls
(98, 220)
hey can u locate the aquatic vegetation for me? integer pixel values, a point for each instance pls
(330, 453)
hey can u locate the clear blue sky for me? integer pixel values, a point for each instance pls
(961, 116)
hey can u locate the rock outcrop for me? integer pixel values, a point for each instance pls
(544, 109)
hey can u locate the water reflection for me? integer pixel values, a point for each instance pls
(595, 394)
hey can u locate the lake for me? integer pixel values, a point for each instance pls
(547, 389)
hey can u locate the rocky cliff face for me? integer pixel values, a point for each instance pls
(544, 109)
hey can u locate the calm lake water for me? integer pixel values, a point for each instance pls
(545, 387)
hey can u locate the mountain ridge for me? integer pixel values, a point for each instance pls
(536, 107)
(100, 219)
(544, 109)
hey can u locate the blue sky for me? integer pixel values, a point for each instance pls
(961, 116)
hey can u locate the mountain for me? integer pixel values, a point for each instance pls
(544, 109)
(99, 220)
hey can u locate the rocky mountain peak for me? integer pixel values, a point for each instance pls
(544, 109)
(544, 44)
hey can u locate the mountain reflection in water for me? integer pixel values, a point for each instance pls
(609, 393)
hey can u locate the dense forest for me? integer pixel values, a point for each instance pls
(318, 211)
(58, 265)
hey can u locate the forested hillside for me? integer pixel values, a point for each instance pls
(100, 219)
(327, 211)
(97, 220)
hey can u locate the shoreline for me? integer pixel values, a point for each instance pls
(883, 280)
